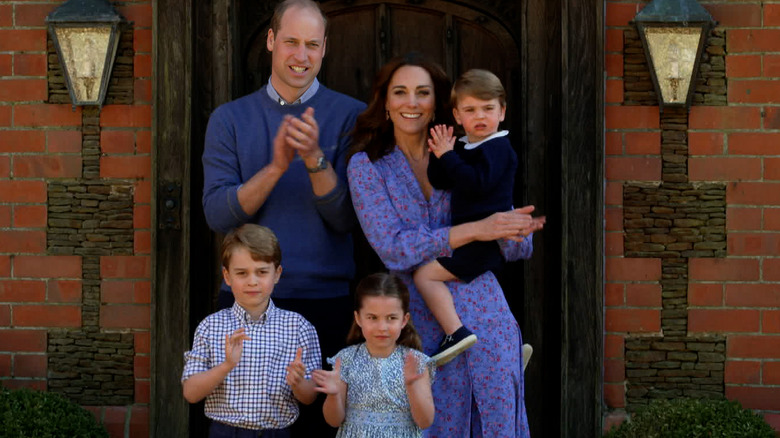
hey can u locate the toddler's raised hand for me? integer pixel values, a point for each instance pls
(328, 382)
(441, 140)
(234, 345)
(411, 369)
(296, 371)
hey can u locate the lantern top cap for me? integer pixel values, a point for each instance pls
(84, 11)
(673, 11)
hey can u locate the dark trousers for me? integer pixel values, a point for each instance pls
(332, 318)
(222, 430)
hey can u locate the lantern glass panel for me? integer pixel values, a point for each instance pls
(673, 51)
(84, 51)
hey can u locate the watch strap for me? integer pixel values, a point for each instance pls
(322, 164)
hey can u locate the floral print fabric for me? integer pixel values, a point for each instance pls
(480, 393)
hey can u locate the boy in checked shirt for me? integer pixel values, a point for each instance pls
(252, 362)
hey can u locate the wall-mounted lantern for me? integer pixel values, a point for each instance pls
(86, 36)
(673, 34)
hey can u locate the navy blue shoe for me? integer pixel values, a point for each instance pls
(453, 345)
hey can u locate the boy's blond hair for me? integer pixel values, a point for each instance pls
(260, 241)
(478, 83)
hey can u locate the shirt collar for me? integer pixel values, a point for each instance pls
(469, 146)
(243, 316)
(308, 94)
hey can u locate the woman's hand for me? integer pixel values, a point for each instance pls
(513, 225)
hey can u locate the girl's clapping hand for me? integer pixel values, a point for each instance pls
(328, 382)
(411, 369)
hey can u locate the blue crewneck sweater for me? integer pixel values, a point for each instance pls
(314, 232)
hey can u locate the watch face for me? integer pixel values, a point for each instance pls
(322, 164)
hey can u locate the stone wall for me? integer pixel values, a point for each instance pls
(674, 366)
(674, 220)
(92, 217)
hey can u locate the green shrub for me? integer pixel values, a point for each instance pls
(692, 418)
(33, 414)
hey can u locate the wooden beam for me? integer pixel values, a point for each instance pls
(171, 260)
(582, 216)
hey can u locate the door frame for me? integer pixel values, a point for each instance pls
(562, 57)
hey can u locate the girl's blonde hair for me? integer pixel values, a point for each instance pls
(384, 285)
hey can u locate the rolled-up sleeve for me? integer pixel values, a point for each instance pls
(199, 359)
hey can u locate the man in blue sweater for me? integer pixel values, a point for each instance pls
(276, 157)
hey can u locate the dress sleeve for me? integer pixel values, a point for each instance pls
(517, 250)
(346, 355)
(401, 244)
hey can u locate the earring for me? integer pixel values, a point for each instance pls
(387, 115)
(433, 119)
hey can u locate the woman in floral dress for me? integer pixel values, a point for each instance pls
(407, 222)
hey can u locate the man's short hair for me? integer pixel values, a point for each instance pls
(260, 241)
(283, 6)
(478, 83)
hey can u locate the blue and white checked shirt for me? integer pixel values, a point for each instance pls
(255, 394)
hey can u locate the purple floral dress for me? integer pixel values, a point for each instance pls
(480, 393)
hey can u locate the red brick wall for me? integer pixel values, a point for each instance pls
(41, 142)
(739, 295)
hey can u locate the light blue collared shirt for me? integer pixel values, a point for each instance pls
(308, 94)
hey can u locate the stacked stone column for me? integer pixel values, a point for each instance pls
(92, 217)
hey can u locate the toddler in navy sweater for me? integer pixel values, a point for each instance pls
(480, 172)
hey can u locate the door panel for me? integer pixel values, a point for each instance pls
(363, 35)
(417, 29)
(352, 54)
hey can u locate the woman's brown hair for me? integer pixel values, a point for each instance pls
(373, 132)
(384, 285)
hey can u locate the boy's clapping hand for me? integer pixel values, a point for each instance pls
(296, 371)
(234, 345)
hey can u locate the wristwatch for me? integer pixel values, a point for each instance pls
(322, 164)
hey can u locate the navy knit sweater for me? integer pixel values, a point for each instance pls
(481, 179)
(314, 232)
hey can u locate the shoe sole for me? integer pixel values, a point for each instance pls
(527, 352)
(451, 353)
